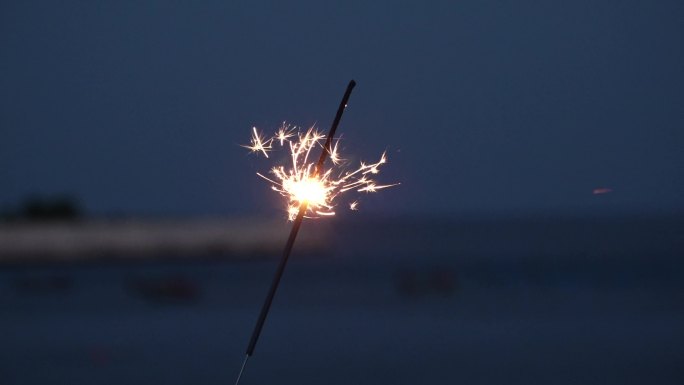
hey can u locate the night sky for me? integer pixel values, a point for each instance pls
(483, 106)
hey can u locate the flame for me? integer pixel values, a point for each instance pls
(310, 191)
(301, 183)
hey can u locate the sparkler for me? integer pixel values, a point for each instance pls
(304, 181)
(309, 188)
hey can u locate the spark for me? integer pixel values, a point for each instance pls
(258, 144)
(284, 133)
(298, 181)
(335, 155)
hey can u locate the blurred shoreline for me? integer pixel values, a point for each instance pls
(594, 237)
(131, 239)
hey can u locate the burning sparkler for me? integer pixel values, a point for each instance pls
(301, 182)
(310, 189)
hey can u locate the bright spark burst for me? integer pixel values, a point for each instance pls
(258, 144)
(300, 182)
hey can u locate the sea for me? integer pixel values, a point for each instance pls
(524, 300)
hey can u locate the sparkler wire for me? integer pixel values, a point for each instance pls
(293, 233)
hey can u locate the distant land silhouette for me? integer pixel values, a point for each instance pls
(37, 208)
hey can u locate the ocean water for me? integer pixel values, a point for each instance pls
(544, 301)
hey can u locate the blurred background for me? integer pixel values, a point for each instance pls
(537, 235)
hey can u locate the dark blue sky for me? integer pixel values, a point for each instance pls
(139, 107)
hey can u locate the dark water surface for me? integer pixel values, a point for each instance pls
(572, 301)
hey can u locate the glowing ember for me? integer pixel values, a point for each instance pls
(602, 190)
(299, 182)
